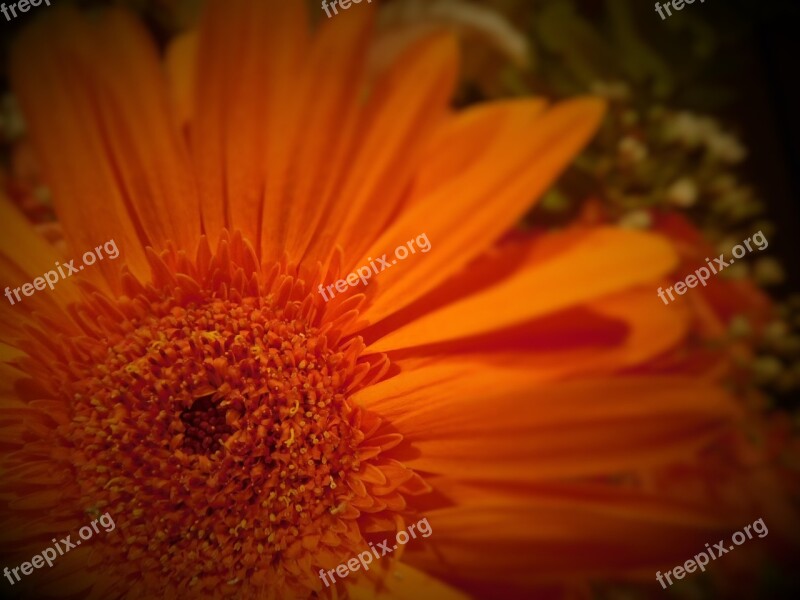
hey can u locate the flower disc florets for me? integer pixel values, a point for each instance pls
(216, 429)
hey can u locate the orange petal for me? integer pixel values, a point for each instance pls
(25, 255)
(326, 134)
(181, 66)
(409, 100)
(554, 430)
(603, 262)
(570, 530)
(250, 53)
(140, 182)
(465, 215)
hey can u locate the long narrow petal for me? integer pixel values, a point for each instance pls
(408, 102)
(554, 430)
(139, 188)
(465, 215)
(606, 529)
(248, 55)
(603, 262)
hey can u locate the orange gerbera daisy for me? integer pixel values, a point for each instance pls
(243, 433)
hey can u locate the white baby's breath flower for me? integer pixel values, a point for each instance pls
(726, 148)
(636, 219)
(724, 246)
(631, 149)
(682, 192)
(768, 271)
(686, 128)
(12, 126)
(767, 368)
(611, 90)
(739, 327)
(775, 331)
(738, 271)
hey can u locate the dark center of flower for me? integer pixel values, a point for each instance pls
(205, 427)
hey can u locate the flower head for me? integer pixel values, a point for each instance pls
(242, 432)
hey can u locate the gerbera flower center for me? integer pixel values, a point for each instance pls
(217, 432)
(205, 426)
